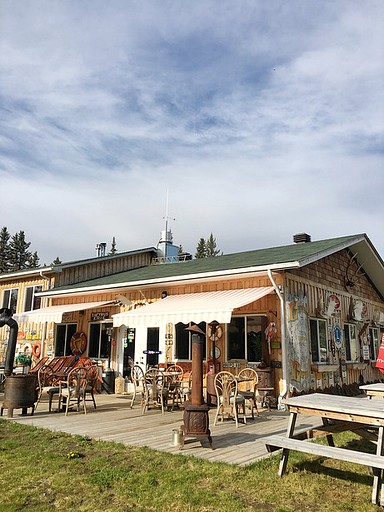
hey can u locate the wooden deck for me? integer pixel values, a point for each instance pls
(113, 420)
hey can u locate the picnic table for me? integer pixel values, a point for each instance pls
(376, 389)
(337, 413)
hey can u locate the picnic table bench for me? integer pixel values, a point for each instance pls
(338, 413)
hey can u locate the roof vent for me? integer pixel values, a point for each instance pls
(300, 238)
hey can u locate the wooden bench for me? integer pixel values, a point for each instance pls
(376, 462)
(331, 452)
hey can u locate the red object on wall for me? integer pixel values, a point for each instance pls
(380, 356)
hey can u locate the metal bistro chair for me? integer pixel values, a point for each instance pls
(228, 399)
(247, 387)
(72, 390)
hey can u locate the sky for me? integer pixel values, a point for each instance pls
(250, 120)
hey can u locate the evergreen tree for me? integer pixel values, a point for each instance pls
(34, 260)
(56, 261)
(207, 248)
(19, 256)
(210, 247)
(113, 247)
(201, 249)
(4, 249)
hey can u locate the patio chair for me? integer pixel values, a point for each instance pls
(72, 390)
(173, 389)
(92, 379)
(47, 385)
(247, 387)
(186, 386)
(137, 377)
(155, 389)
(228, 399)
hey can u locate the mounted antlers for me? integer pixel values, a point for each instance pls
(352, 273)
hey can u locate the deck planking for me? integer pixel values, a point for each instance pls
(115, 421)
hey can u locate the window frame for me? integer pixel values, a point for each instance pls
(318, 341)
(35, 302)
(374, 343)
(246, 339)
(181, 334)
(103, 346)
(70, 329)
(351, 343)
(11, 301)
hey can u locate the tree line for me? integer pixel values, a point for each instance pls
(15, 254)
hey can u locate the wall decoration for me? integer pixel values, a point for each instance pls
(78, 343)
(298, 340)
(333, 305)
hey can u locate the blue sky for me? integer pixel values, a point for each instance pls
(258, 119)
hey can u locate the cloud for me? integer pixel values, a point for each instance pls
(261, 119)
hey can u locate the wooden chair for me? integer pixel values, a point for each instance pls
(228, 399)
(72, 390)
(173, 386)
(247, 387)
(155, 390)
(92, 379)
(47, 385)
(137, 378)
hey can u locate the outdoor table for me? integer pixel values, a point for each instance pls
(376, 389)
(338, 413)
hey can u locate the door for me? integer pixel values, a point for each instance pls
(129, 351)
(152, 346)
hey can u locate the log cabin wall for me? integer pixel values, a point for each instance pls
(26, 333)
(337, 275)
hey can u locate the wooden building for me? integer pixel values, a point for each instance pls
(309, 315)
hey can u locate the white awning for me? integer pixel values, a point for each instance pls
(55, 313)
(191, 307)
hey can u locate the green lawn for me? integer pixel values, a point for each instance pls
(50, 471)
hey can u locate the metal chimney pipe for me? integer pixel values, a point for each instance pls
(6, 319)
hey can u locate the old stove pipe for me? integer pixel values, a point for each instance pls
(6, 319)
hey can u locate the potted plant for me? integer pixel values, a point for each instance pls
(24, 360)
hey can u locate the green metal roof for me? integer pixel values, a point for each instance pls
(282, 257)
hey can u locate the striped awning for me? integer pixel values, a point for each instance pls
(55, 313)
(191, 307)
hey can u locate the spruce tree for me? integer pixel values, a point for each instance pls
(4, 250)
(201, 249)
(210, 247)
(19, 256)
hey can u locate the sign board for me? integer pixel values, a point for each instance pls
(96, 317)
(151, 352)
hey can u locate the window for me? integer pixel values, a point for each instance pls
(183, 345)
(100, 336)
(10, 299)
(374, 343)
(318, 334)
(64, 333)
(31, 301)
(351, 345)
(245, 338)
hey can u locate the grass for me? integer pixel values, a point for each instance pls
(46, 471)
